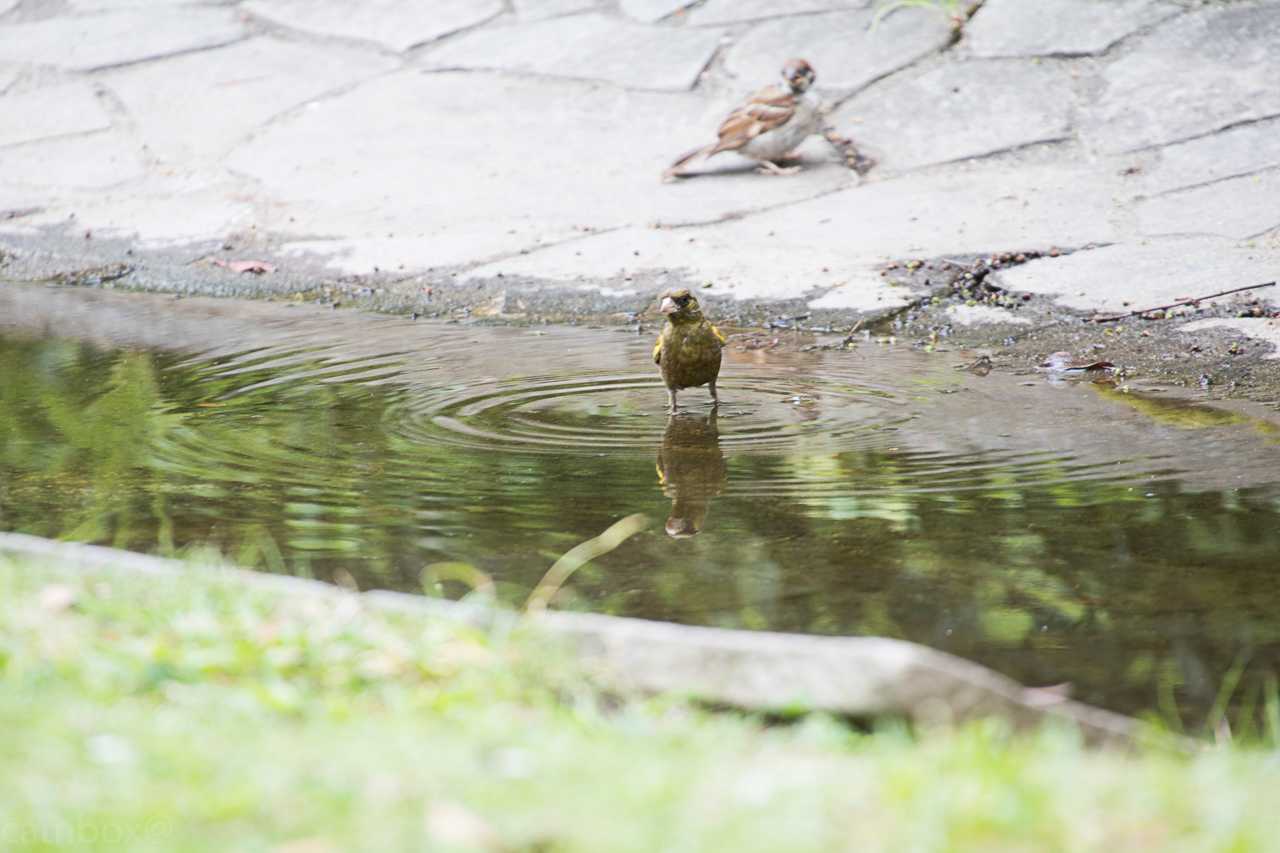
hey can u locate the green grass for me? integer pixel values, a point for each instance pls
(194, 714)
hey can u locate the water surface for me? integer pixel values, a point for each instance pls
(1057, 532)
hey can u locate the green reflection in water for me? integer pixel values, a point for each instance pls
(309, 465)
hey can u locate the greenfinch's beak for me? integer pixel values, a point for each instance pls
(668, 306)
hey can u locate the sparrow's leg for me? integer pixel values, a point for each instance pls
(715, 398)
(768, 167)
(671, 400)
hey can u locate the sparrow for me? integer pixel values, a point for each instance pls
(687, 351)
(691, 471)
(772, 123)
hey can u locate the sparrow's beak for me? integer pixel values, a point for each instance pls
(668, 306)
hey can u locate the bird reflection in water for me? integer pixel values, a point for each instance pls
(691, 471)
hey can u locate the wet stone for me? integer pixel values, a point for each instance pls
(1197, 74)
(736, 11)
(1237, 207)
(199, 106)
(959, 111)
(1129, 276)
(397, 24)
(590, 47)
(1228, 153)
(91, 42)
(1006, 28)
(50, 112)
(842, 47)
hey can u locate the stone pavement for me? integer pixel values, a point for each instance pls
(491, 141)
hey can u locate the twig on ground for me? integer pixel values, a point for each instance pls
(1178, 304)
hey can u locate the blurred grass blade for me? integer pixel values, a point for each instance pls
(1216, 723)
(464, 573)
(579, 555)
(1271, 702)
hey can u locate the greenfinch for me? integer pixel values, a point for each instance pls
(688, 349)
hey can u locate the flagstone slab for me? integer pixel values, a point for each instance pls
(961, 110)
(50, 112)
(90, 42)
(198, 106)
(377, 166)
(395, 24)
(715, 12)
(1130, 276)
(1241, 207)
(649, 11)
(536, 10)
(1210, 68)
(588, 47)
(1005, 28)
(93, 161)
(1228, 153)
(832, 248)
(842, 46)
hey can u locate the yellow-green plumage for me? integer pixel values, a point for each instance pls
(688, 349)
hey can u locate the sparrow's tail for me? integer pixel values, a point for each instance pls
(702, 151)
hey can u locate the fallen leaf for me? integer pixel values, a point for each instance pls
(255, 267)
(1062, 362)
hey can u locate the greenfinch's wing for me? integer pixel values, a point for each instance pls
(657, 351)
(719, 335)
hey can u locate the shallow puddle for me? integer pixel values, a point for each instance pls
(1058, 532)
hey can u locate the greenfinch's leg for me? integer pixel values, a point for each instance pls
(671, 400)
(715, 398)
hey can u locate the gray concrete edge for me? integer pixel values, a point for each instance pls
(751, 670)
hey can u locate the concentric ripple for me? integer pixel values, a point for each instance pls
(763, 411)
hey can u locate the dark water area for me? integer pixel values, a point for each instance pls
(1122, 542)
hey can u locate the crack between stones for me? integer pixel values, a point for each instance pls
(957, 35)
(327, 95)
(738, 215)
(1262, 170)
(544, 76)
(1068, 139)
(177, 53)
(1156, 146)
(432, 42)
(539, 247)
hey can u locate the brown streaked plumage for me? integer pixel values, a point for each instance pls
(769, 125)
(687, 351)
